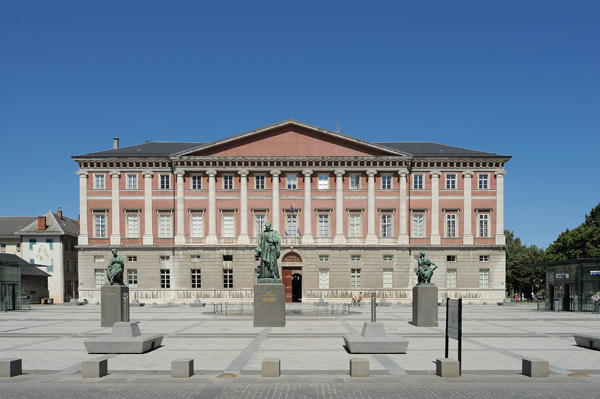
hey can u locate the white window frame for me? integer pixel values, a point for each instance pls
(99, 181)
(483, 181)
(164, 181)
(323, 224)
(228, 221)
(165, 278)
(99, 277)
(451, 181)
(196, 181)
(484, 258)
(291, 181)
(228, 181)
(483, 225)
(387, 181)
(165, 225)
(388, 258)
(196, 224)
(418, 181)
(389, 223)
(133, 224)
(132, 278)
(451, 225)
(484, 278)
(355, 278)
(355, 224)
(100, 225)
(419, 225)
(227, 278)
(388, 278)
(450, 278)
(323, 181)
(323, 258)
(260, 182)
(132, 181)
(196, 278)
(258, 222)
(323, 278)
(291, 224)
(354, 181)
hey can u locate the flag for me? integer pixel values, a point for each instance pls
(286, 233)
(299, 235)
(292, 208)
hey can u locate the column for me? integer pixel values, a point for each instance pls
(402, 233)
(84, 238)
(211, 237)
(275, 215)
(115, 236)
(243, 238)
(435, 238)
(148, 237)
(468, 234)
(339, 237)
(180, 235)
(371, 235)
(307, 237)
(500, 238)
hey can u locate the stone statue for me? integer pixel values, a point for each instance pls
(115, 268)
(425, 270)
(268, 250)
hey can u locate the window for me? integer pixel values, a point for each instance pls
(451, 278)
(484, 278)
(99, 182)
(228, 228)
(227, 182)
(484, 258)
(451, 258)
(100, 226)
(291, 225)
(165, 182)
(259, 182)
(227, 278)
(354, 181)
(165, 229)
(418, 182)
(196, 278)
(451, 225)
(165, 278)
(259, 223)
(388, 278)
(386, 225)
(355, 258)
(386, 182)
(195, 258)
(133, 225)
(132, 278)
(323, 278)
(132, 258)
(323, 258)
(292, 181)
(355, 278)
(354, 225)
(132, 182)
(323, 181)
(323, 225)
(483, 221)
(196, 182)
(99, 276)
(75, 267)
(99, 258)
(164, 261)
(32, 242)
(450, 181)
(227, 258)
(388, 258)
(197, 225)
(418, 225)
(68, 266)
(483, 181)
(2, 247)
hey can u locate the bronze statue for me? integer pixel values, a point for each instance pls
(114, 271)
(268, 250)
(425, 270)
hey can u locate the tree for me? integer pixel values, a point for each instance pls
(519, 276)
(581, 242)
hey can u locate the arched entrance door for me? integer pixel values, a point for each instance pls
(291, 277)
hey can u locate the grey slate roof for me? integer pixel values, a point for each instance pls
(147, 149)
(423, 149)
(54, 226)
(9, 225)
(27, 269)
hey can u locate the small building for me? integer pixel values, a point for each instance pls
(10, 282)
(10, 241)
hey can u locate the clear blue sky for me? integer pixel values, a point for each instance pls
(519, 78)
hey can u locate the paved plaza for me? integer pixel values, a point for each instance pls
(314, 362)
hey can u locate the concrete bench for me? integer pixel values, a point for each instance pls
(446, 367)
(535, 367)
(359, 367)
(10, 367)
(271, 367)
(588, 341)
(94, 368)
(182, 368)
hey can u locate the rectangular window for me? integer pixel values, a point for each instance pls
(165, 229)
(227, 182)
(483, 181)
(197, 225)
(323, 278)
(484, 278)
(483, 225)
(227, 258)
(354, 225)
(292, 181)
(99, 182)
(388, 258)
(259, 223)
(418, 182)
(165, 182)
(355, 278)
(354, 181)
(323, 181)
(32, 242)
(228, 225)
(323, 258)
(195, 258)
(133, 225)
(386, 225)
(451, 225)
(99, 258)
(388, 278)
(418, 225)
(227, 278)
(323, 225)
(451, 258)
(132, 182)
(196, 278)
(2, 247)
(355, 258)
(450, 181)
(75, 267)
(196, 182)
(68, 266)
(132, 258)
(451, 278)
(132, 278)
(99, 276)
(165, 278)
(100, 226)
(386, 182)
(291, 225)
(259, 182)
(484, 258)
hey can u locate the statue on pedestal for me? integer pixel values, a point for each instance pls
(425, 269)
(114, 270)
(268, 251)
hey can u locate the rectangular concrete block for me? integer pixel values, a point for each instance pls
(182, 368)
(535, 367)
(425, 306)
(271, 367)
(10, 367)
(447, 367)
(94, 368)
(359, 367)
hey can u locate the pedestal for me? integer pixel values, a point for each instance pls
(425, 305)
(269, 305)
(115, 304)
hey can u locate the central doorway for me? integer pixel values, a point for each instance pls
(292, 280)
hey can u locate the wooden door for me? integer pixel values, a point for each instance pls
(287, 282)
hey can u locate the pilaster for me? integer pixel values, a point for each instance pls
(180, 235)
(339, 237)
(115, 236)
(371, 235)
(435, 238)
(83, 209)
(275, 224)
(402, 232)
(307, 236)
(243, 238)
(467, 235)
(148, 238)
(211, 237)
(500, 239)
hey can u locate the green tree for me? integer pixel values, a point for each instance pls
(519, 276)
(581, 242)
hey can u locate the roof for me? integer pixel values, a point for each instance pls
(147, 149)
(27, 269)
(422, 149)
(9, 225)
(54, 226)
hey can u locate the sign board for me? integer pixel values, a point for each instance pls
(595, 273)
(562, 275)
(453, 318)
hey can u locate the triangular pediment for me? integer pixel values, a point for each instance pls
(290, 139)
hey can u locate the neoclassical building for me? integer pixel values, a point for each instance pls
(353, 216)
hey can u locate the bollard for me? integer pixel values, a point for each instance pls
(373, 308)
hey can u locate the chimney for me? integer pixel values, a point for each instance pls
(59, 213)
(41, 223)
(79, 220)
(115, 143)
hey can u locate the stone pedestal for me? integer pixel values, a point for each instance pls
(269, 305)
(115, 304)
(425, 305)
(125, 337)
(374, 339)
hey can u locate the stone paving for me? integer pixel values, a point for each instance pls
(314, 362)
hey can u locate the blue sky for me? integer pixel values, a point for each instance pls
(519, 78)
